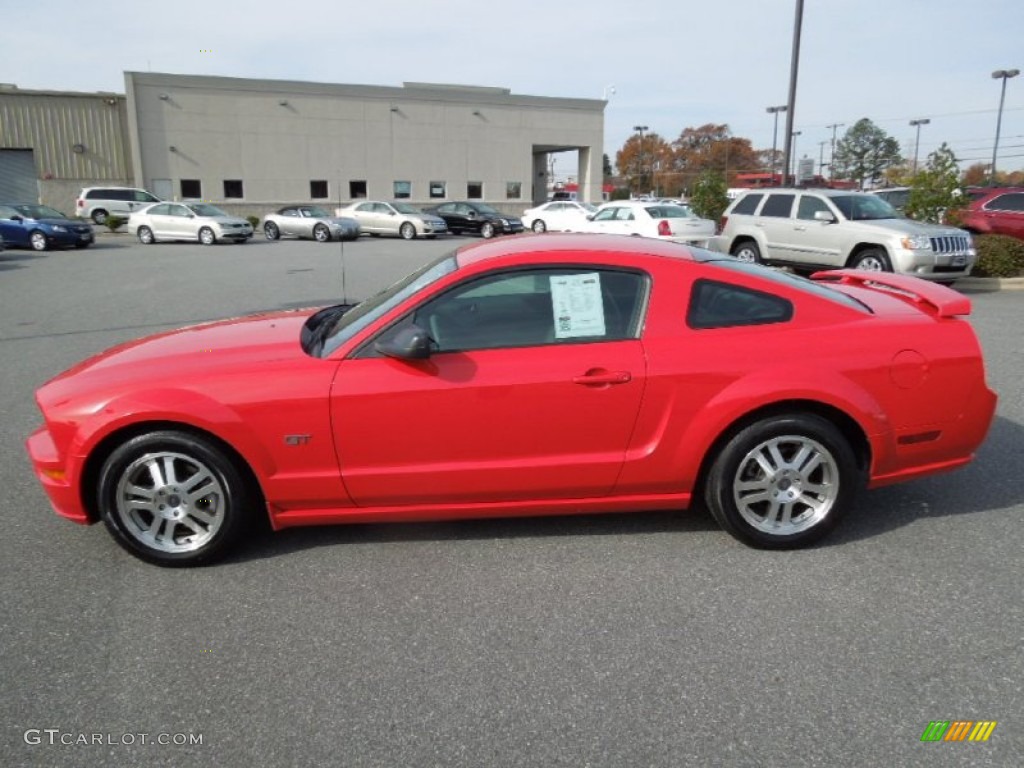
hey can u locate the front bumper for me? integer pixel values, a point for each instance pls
(929, 265)
(52, 474)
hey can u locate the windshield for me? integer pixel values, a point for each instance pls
(406, 208)
(202, 209)
(318, 213)
(864, 207)
(361, 315)
(38, 212)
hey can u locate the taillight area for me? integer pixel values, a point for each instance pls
(80, 203)
(721, 224)
(664, 230)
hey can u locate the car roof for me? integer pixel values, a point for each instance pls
(524, 245)
(813, 190)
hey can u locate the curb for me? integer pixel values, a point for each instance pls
(987, 284)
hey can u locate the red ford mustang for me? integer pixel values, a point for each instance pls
(555, 374)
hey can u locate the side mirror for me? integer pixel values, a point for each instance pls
(408, 343)
(471, 214)
(16, 217)
(590, 217)
(824, 216)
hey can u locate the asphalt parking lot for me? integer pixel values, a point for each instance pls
(625, 640)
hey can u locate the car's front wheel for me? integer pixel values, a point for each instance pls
(539, 226)
(487, 230)
(873, 260)
(145, 235)
(783, 482)
(173, 498)
(270, 231)
(407, 231)
(747, 251)
(38, 241)
(206, 236)
(321, 234)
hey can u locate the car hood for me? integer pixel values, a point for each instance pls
(183, 354)
(909, 227)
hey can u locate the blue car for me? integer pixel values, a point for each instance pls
(40, 227)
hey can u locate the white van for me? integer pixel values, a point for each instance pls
(97, 203)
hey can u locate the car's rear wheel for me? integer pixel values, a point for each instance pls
(321, 234)
(783, 482)
(873, 260)
(99, 216)
(37, 240)
(145, 235)
(270, 231)
(747, 251)
(539, 226)
(206, 236)
(487, 230)
(173, 498)
(407, 231)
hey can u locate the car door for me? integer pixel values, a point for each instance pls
(779, 227)
(289, 223)
(531, 393)
(388, 218)
(365, 214)
(12, 226)
(816, 241)
(606, 221)
(181, 222)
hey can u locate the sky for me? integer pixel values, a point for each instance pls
(666, 64)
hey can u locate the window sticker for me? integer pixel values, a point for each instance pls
(577, 305)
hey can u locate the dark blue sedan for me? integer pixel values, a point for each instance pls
(40, 227)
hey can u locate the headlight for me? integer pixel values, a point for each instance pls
(59, 228)
(917, 243)
(504, 222)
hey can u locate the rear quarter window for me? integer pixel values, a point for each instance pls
(747, 204)
(723, 305)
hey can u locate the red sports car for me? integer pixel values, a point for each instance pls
(551, 374)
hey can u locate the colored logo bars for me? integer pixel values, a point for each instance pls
(958, 730)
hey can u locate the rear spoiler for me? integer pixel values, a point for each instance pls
(945, 302)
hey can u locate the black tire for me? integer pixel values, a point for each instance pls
(270, 231)
(407, 231)
(99, 216)
(204, 495)
(321, 233)
(539, 226)
(206, 236)
(748, 251)
(487, 230)
(873, 260)
(145, 235)
(815, 480)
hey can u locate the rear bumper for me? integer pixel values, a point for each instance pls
(52, 475)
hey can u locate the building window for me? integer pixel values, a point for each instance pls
(513, 190)
(191, 189)
(318, 190)
(232, 188)
(356, 190)
(403, 189)
(437, 190)
(475, 190)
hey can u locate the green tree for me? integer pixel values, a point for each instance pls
(934, 191)
(709, 197)
(865, 152)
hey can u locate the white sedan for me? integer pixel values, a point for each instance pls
(650, 219)
(187, 221)
(558, 216)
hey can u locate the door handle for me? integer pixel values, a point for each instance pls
(601, 377)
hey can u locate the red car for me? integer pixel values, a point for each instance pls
(550, 374)
(995, 211)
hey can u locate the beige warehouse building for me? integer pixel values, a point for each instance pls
(252, 145)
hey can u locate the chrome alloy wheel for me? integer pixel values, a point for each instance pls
(170, 502)
(871, 263)
(786, 485)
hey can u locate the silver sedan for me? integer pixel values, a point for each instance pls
(309, 221)
(187, 221)
(376, 217)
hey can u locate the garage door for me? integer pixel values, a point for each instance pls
(18, 182)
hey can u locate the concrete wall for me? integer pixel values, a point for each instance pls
(277, 136)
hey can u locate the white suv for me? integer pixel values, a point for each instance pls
(97, 203)
(814, 228)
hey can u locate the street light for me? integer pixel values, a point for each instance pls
(1004, 75)
(641, 129)
(793, 145)
(917, 141)
(775, 133)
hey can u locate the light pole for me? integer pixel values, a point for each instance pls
(917, 141)
(792, 140)
(775, 134)
(821, 158)
(794, 69)
(832, 154)
(641, 129)
(1004, 75)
